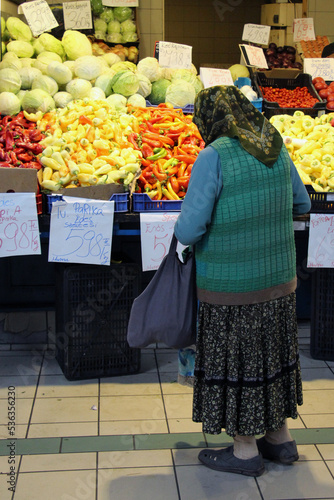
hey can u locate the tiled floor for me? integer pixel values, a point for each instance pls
(132, 437)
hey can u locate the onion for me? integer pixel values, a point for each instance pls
(289, 49)
(279, 50)
(270, 53)
(273, 45)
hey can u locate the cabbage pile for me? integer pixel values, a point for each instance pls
(114, 24)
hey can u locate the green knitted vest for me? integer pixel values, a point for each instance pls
(250, 242)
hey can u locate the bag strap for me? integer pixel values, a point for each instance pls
(173, 245)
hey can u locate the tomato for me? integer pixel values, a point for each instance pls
(320, 85)
(330, 97)
(330, 105)
(318, 79)
(323, 93)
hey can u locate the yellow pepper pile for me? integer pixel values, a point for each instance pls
(86, 144)
(310, 143)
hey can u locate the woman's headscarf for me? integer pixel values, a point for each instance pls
(223, 111)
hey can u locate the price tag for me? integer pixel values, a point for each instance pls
(319, 67)
(19, 231)
(256, 33)
(77, 15)
(156, 231)
(39, 16)
(303, 29)
(214, 76)
(120, 3)
(321, 241)
(81, 231)
(253, 56)
(175, 55)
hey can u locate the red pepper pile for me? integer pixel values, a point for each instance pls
(19, 142)
(299, 97)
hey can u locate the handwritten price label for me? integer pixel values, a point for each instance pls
(254, 56)
(321, 241)
(156, 231)
(175, 55)
(39, 16)
(81, 231)
(303, 29)
(120, 3)
(19, 231)
(319, 67)
(77, 15)
(256, 33)
(214, 76)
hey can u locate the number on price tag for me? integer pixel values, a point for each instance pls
(319, 67)
(77, 15)
(214, 76)
(303, 29)
(175, 55)
(254, 56)
(39, 16)
(256, 33)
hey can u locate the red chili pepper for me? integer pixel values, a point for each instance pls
(25, 157)
(133, 139)
(186, 158)
(83, 120)
(5, 164)
(9, 139)
(35, 135)
(146, 150)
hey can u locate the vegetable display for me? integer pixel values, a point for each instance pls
(299, 97)
(281, 57)
(326, 92)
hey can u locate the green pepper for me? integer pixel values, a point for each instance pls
(158, 154)
(171, 163)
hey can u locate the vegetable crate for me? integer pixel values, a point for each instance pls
(302, 80)
(240, 82)
(322, 316)
(320, 202)
(92, 312)
(188, 109)
(141, 202)
(121, 201)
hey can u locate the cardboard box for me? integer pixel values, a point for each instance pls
(282, 73)
(18, 180)
(280, 14)
(103, 192)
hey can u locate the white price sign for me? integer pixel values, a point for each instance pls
(321, 240)
(254, 56)
(256, 33)
(175, 55)
(120, 3)
(81, 231)
(215, 76)
(156, 231)
(319, 67)
(77, 15)
(39, 16)
(19, 231)
(303, 29)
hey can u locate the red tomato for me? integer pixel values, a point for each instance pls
(320, 85)
(331, 84)
(318, 79)
(330, 105)
(330, 97)
(323, 93)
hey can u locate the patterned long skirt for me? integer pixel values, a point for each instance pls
(247, 376)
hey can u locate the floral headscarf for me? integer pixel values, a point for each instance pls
(223, 111)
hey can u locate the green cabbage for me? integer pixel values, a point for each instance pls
(18, 29)
(88, 67)
(111, 58)
(118, 101)
(114, 27)
(46, 57)
(59, 72)
(62, 99)
(10, 104)
(149, 67)
(125, 83)
(20, 94)
(45, 83)
(20, 48)
(10, 60)
(96, 94)
(38, 47)
(129, 26)
(104, 82)
(122, 13)
(238, 70)
(79, 88)
(27, 76)
(137, 100)
(51, 44)
(37, 100)
(129, 37)
(70, 66)
(107, 15)
(145, 86)
(180, 93)
(97, 7)
(76, 44)
(124, 65)
(114, 38)
(158, 92)
(10, 80)
(26, 62)
(100, 25)
(188, 76)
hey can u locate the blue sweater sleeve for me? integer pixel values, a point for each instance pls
(203, 190)
(301, 199)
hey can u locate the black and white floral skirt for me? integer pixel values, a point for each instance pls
(247, 375)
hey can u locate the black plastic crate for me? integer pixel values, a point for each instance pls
(302, 80)
(320, 202)
(322, 315)
(92, 311)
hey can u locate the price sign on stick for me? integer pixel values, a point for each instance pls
(156, 231)
(319, 67)
(81, 231)
(77, 15)
(175, 55)
(321, 240)
(214, 76)
(39, 16)
(253, 56)
(19, 231)
(256, 33)
(303, 29)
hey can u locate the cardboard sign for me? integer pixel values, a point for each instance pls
(256, 33)
(39, 16)
(81, 231)
(320, 67)
(19, 231)
(253, 56)
(303, 29)
(156, 231)
(175, 55)
(215, 76)
(77, 15)
(120, 3)
(321, 240)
